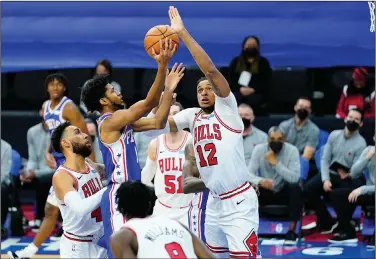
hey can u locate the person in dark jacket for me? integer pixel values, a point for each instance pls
(250, 75)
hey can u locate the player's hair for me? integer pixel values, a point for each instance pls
(200, 80)
(134, 199)
(357, 110)
(57, 135)
(58, 77)
(276, 129)
(179, 105)
(93, 90)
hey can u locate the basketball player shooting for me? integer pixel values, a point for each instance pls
(151, 237)
(165, 162)
(117, 124)
(218, 149)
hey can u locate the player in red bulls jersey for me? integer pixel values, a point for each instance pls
(79, 189)
(165, 164)
(219, 156)
(117, 124)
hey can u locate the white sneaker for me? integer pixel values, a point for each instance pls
(28, 252)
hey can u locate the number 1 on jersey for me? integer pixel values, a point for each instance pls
(211, 158)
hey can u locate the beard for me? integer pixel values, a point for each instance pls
(208, 109)
(81, 149)
(118, 106)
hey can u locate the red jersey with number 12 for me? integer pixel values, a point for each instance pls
(161, 237)
(86, 184)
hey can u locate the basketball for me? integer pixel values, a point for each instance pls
(159, 32)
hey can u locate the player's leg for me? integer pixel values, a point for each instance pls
(215, 238)
(239, 220)
(95, 251)
(107, 225)
(51, 215)
(74, 249)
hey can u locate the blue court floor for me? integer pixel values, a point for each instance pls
(270, 248)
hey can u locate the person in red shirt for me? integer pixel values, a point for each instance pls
(359, 93)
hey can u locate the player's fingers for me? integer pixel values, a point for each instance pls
(161, 46)
(170, 14)
(173, 50)
(180, 67)
(153, 52)
(171, 11)
(170, 45)
(176, 12)
(181, 75)
(167, 72)
(173, 70)
(167, 46)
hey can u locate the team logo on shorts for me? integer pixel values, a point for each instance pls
(251, 243)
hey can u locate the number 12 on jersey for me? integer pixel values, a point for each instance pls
(210, 159)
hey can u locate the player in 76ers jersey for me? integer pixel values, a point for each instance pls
(218, 153)
(79, 189)
(154, 236)
(117, 124)
(165, 164)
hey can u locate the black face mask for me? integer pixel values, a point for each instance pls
(92, 138)
(276, 146)
(352, 125)
(246, 122)
(250, 52)
(302, 114)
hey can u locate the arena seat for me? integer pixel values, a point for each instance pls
(288, 84)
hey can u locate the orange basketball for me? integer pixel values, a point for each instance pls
(159, 32)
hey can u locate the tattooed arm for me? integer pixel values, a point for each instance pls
(100, 168)
(191, 181)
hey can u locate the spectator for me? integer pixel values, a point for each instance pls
(340, 152)
(250, 75)
(103, 66)
(359, 93)
(345, 200)
(279, 167)
(6, 163)
(252, 136)
(92, 129)
(37, 172)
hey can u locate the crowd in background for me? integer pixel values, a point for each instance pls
(303, 170)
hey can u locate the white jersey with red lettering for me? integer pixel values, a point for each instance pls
(218, 143)
(89, 226)
(168, 177)
(161, 237)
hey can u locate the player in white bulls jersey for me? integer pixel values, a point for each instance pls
(154, 236)
(219, 155)
(165, 162)
(79, 189)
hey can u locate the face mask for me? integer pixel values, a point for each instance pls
(251, 52)
(92, 138)
(302, 114)
(246, 122)
(352, 125)
(276, 146)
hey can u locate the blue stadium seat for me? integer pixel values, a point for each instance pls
(16, 163)
(304, 168)
(318, 155)
(323, 138)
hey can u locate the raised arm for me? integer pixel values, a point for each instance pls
(72, 114)
(191, 181)
(123, 117)
(159, 120)
(202, 59)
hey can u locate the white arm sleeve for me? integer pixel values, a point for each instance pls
(148, 172)
(83, 206)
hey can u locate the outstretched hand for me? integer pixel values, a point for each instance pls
(176, 21)
(174, 76)
(166, 51)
